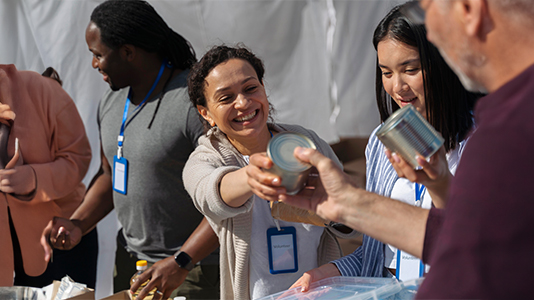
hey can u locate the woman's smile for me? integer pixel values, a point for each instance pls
(404, 102)
(247, 117)
(237, 103)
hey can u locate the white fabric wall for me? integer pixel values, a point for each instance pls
(318, 55)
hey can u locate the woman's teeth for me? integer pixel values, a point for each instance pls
(246, 117)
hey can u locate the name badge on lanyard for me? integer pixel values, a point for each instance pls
(120, 163)
(282, 245)
(408, 266)
(120, 174)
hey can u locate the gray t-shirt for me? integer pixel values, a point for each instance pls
(157, 214)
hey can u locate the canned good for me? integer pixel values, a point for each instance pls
(408, 134)
(292, 171)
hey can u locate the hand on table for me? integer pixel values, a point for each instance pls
(165, 276)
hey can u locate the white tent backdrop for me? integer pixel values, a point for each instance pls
(318, 55)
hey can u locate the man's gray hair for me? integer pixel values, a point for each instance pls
(516, 9)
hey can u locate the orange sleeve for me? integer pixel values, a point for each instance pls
(69, 147)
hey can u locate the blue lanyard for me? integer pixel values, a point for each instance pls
(127, 105)
(419, 189)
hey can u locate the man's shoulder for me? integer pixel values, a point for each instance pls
(109, 96)
(177, 91)
(110, 101)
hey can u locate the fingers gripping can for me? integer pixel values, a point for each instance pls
(407, 133)
(292, 171)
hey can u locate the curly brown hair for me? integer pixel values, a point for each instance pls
(214, 57)
(196, 81)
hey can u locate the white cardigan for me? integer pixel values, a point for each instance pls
(213, 158)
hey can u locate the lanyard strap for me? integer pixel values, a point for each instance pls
(120, 139)
(419, 189)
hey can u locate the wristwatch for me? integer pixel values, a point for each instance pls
(184, 261)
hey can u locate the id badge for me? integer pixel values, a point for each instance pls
(120, 174)
(408, 266)
(282, 250)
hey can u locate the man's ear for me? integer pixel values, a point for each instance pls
(476, 18)
(128, 52)
(203, 111)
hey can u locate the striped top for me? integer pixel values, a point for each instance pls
(368, 259)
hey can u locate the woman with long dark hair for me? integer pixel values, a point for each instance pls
(409, 70)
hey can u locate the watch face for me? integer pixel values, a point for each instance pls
(183, 259)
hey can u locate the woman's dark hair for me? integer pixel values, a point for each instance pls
(196, 81)
(52, 73)
(448, 104)
(135, 22)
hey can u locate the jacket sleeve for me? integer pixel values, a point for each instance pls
(433, 227)
(202, 174)
(72, 155)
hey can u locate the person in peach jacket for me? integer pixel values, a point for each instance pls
(44, 155)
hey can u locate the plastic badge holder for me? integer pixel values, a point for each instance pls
(345, 288)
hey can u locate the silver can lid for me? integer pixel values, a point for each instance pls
(281, 147)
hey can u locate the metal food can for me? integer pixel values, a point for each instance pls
(407, 133)
(292, 171)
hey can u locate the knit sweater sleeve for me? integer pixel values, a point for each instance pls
(202, 175)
